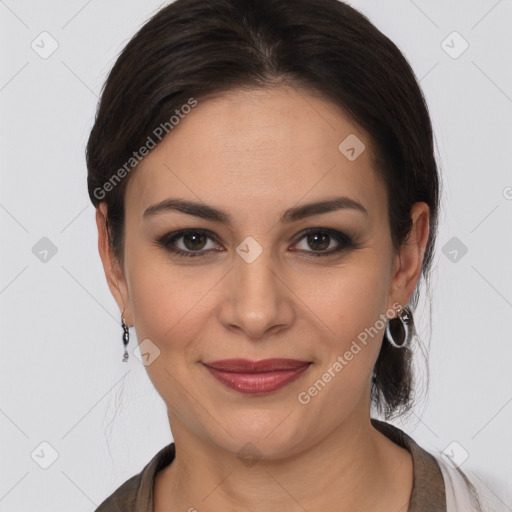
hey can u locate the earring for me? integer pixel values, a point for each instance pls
(126, 338)
(400, 330)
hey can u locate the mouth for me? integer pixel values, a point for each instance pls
(256, 377)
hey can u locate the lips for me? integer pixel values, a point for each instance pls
(256, 377)
(265, 365)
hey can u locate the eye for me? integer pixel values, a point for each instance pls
(322, 239)
(192, 242)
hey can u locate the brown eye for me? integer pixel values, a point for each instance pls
(192, 242)
(319, 240)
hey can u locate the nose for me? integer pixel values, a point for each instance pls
(257, 301)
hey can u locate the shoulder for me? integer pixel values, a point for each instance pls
(123, 498)
(465, 493)
(436, 475)
(428, 491)
(136, 494)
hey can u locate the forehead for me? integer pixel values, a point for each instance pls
(266, 147)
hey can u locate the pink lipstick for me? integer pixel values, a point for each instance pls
(256, 377)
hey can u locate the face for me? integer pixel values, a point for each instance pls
(310, 286)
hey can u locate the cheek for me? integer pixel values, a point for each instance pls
(169, 302)
(168, 311)
(161, 301)
(348, 309)
(349, 330)
(347, 299)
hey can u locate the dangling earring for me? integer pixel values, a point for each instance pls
(126, 337)
(400, 330)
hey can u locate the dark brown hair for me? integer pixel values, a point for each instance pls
(196, 48)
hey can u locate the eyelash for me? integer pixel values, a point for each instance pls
(167, 240)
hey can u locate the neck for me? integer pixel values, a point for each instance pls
(354, 468)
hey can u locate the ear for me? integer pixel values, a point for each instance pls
(409, 259)
(113, 272)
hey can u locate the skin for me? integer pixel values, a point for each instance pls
(254, 154)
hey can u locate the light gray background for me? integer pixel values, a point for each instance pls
(61, 377)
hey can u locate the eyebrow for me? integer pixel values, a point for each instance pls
(291, 215)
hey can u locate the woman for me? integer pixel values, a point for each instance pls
(267, 202)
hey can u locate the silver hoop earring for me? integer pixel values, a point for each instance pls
(126, 338)
(400, 330)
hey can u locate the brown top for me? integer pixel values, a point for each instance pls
(428, 491)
